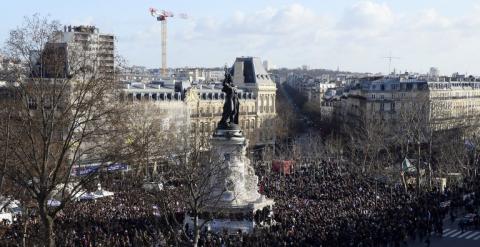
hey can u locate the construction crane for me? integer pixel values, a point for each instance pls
(162, 16)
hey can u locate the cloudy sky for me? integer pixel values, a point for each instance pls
(354, 35)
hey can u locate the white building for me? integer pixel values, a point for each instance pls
(88, 41)
(268, 65)
(215, 75)
(434, 72)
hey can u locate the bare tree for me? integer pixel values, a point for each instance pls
(191, 172)
(414, 128)
(456, 151)
(369, 141)
(5, 126)
(334, 146)
(148, 134)
(61, 116)
(286, 121)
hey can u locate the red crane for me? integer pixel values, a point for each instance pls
(162, 16)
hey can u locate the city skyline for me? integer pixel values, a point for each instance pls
(352, 35)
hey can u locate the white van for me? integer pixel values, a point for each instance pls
(10, 209)
(6, 217)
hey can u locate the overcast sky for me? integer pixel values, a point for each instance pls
(353, 35)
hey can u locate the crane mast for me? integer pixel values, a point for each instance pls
(164, 47)
(162, 17)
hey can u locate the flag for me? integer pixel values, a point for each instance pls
(407, 166)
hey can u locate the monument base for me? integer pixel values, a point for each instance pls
(222, 225)
(239, 202)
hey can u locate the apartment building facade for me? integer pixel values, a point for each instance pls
(203, 103)
(446, 104)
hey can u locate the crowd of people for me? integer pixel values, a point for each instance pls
(322, 205)
(129, 218)
(339, 208)
(329, 205)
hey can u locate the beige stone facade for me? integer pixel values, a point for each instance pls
(204, 103)
(455, 104)
(448, 105)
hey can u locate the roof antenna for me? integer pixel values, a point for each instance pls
(390, 58)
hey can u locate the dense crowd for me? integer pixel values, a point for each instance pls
(129, 218)
(325, 206)
(342, 209)
(333, 206)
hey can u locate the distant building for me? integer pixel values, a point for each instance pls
(146, 76)
(87, 41)
(77, 55)
(138, 74)
(5, 66)
(313, 89)
(215, 75)
(267, 65)
(434, 72)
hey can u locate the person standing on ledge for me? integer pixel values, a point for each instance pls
(231, 105)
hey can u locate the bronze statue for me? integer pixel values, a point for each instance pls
(231, 105)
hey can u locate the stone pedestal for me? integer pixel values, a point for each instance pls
(236, 187)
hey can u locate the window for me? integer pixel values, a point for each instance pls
(47, 103)
(32, 103)
(227, 156)
(248, 72)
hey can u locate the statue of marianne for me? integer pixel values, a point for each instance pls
(231, 105)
